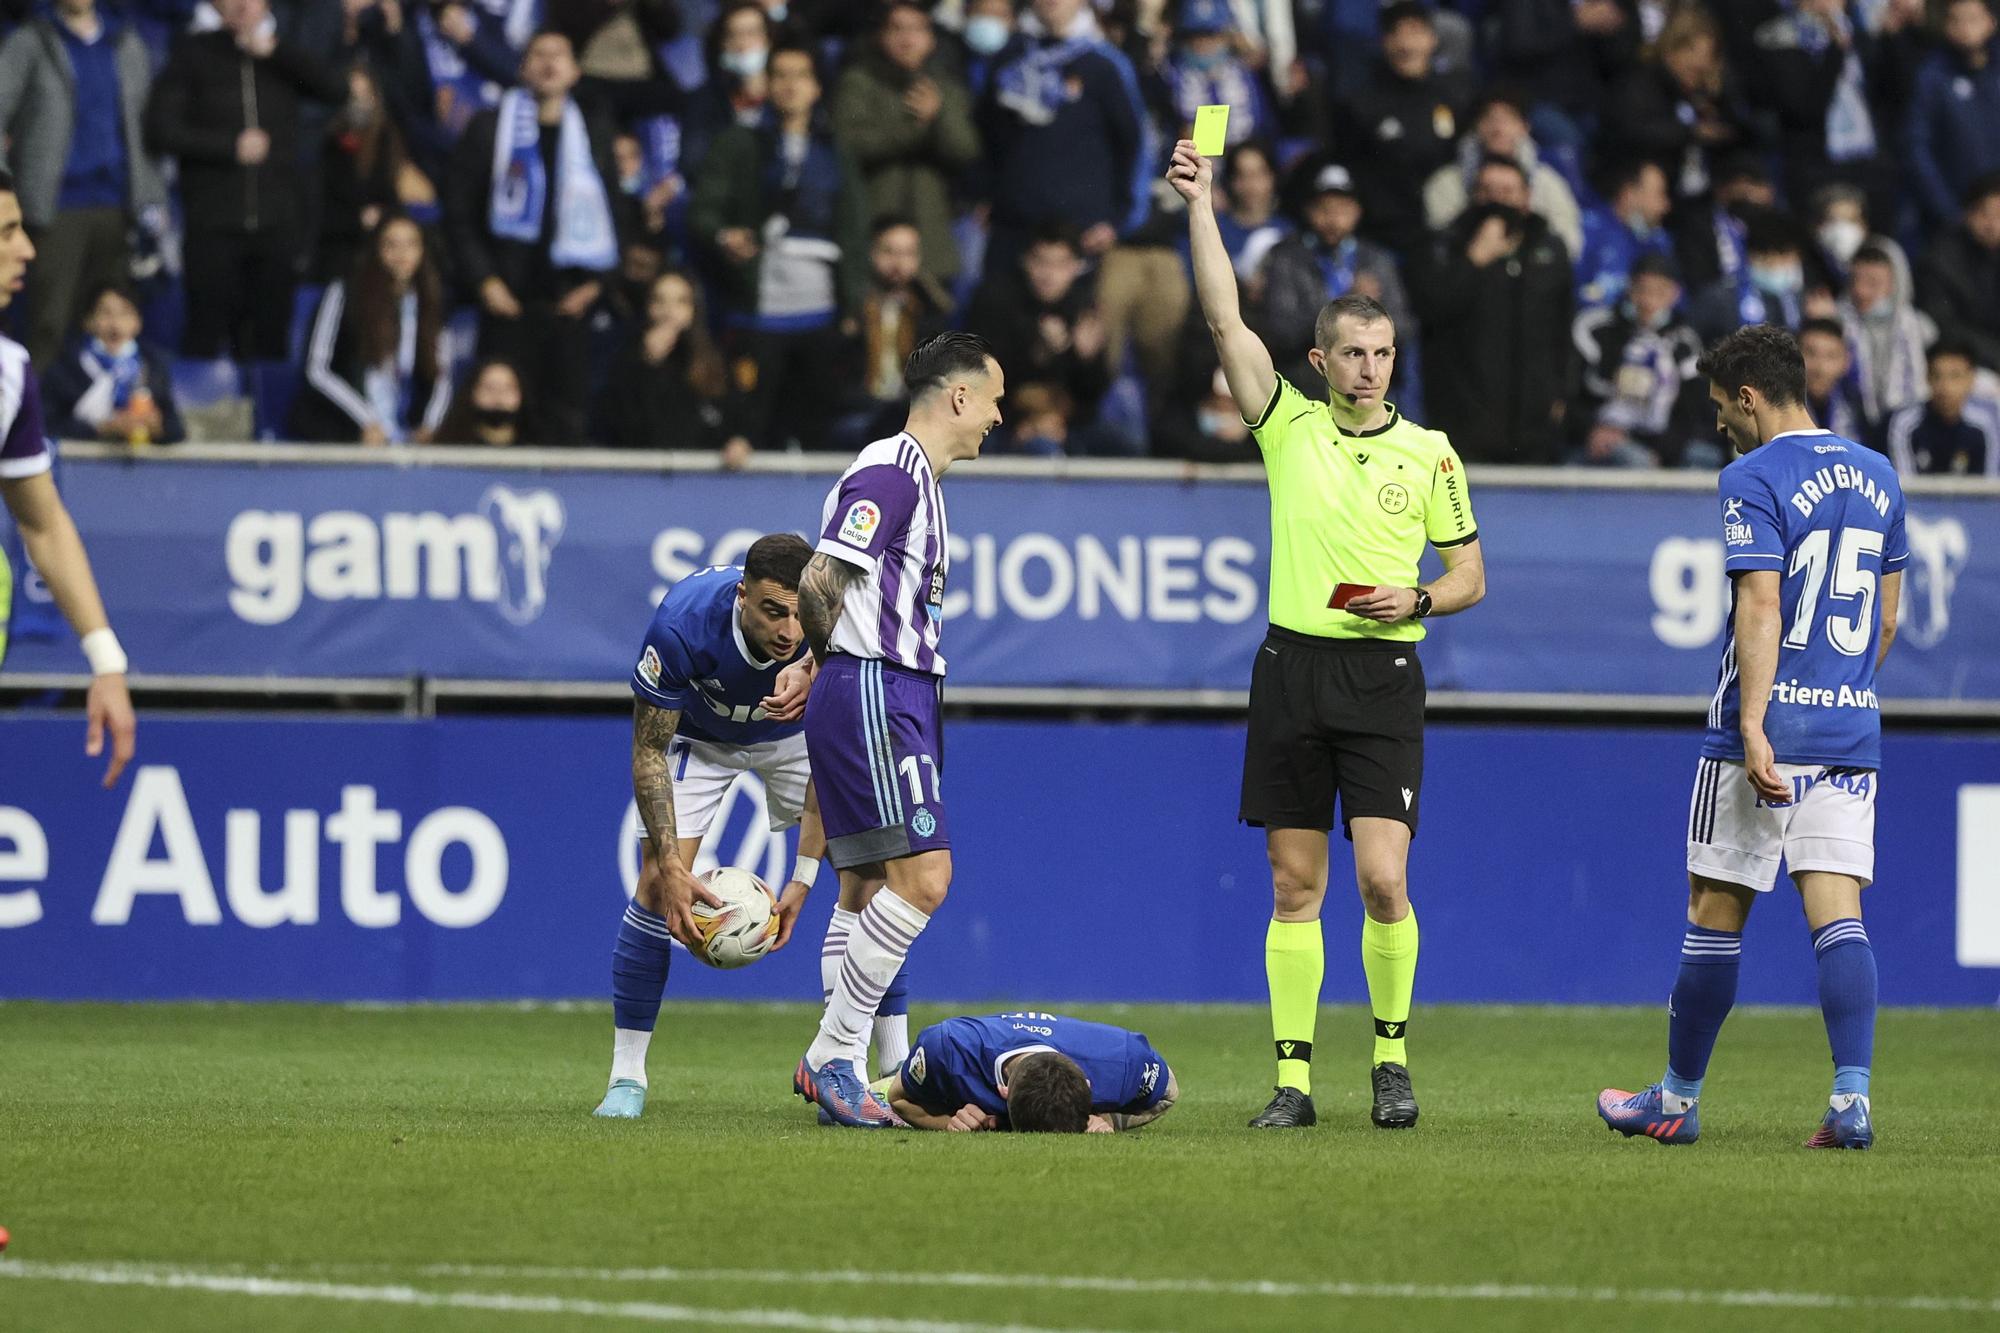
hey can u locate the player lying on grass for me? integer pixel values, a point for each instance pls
(1030, 1073)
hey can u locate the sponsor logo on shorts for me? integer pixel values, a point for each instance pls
(915, 1067)
(863, 517)
(923, 823)
(1148, 1079)
(649, 667)
(1393, 498)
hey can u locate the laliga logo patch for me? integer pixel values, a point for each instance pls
(649, 667)
(1393, 498)
(863, 517)
(916, 1065)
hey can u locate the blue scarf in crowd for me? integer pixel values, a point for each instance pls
(584, 235)
(1032, 87)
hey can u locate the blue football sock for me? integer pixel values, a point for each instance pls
(1703, 994)
(1847, 1000)
(639, 969)
(896, 999)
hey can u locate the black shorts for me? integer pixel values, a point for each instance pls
(1333, 716)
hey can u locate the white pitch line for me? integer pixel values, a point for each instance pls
(127, 1275)
(1138, 1286)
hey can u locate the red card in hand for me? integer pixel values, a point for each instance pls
(1347, 592)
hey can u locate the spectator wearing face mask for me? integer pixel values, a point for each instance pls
(738, 50)
(1955, 433)
(1887, 338)
(1831, 396)
(1777, 268)
(1207, 70)
(1958, 275)
(1641, 402)
(989, 27)
(1841, 225)
(1201, 422)
(1627, 227)
(491, 408)
(1042, 422)
(1500, 129)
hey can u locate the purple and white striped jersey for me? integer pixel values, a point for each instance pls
(23, 451)
(885, 517)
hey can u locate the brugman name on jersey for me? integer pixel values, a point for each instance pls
(1832, 480)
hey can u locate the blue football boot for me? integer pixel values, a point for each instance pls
(840, 1093)
(1636, 1113)
(1849, 1126)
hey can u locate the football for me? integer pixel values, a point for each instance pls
(744, 928)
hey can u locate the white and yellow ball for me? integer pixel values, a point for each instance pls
(744, 928)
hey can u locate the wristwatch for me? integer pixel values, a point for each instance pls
(1423, 607)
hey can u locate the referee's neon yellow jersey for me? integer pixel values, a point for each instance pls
(1353, 509)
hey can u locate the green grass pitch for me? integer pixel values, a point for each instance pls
(282, 1167)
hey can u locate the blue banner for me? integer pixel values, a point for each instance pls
(264, 858)
(292, 569)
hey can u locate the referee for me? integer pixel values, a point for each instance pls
(1337, 692)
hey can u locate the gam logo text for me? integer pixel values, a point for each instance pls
(500, 555)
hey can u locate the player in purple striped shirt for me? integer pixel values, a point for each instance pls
(870, 601)
(29, 492)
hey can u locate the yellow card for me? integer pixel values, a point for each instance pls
(1211, 130)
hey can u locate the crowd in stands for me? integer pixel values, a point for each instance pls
(723, 224)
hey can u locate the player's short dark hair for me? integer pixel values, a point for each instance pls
(6, 181)
(1770, 231)
(1871, 254)
(795, 49)
(98, 291)
(1957, 347)
(1355, 306)
(1622, 175)
(1821, 324)
(1981, 188)
(1047, 1093)
(779, 558)
(942, 359)
(1054, 233)
(1764, 357)
(1655, 266)
(889, 222)
(1405, 11)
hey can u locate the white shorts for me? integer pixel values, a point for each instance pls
(1830, 824)
(704, 771)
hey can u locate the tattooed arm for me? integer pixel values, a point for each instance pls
(822, 595)
(1120, 1120)
(671, 889)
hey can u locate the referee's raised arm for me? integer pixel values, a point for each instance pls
(1246, 362)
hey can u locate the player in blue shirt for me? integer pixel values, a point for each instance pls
(1030, 1072)
(1812, 529)
(719, 694)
